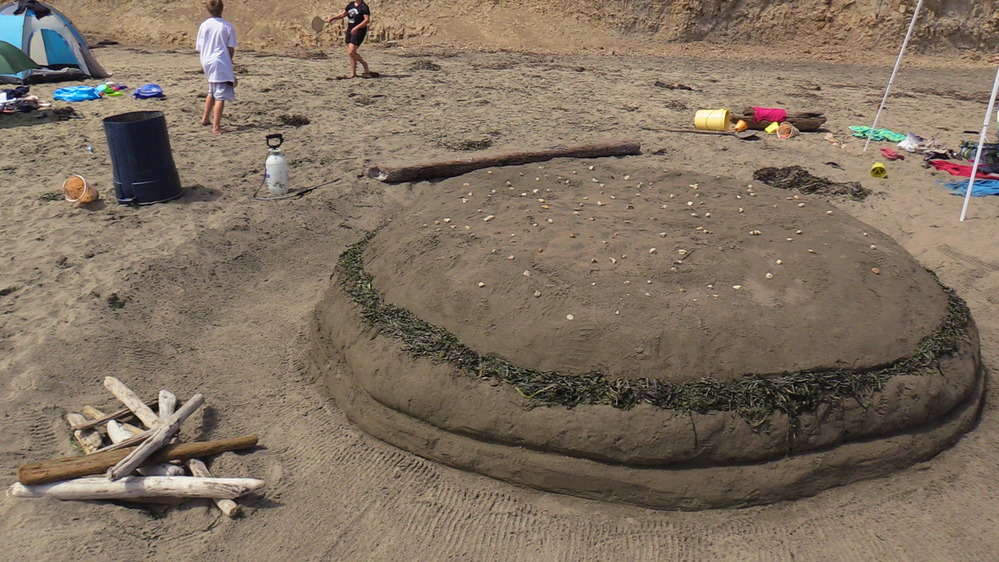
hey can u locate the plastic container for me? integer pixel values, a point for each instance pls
(878, 170)
(141, 159)
(276, 166)
(711, 119)
(77, 190)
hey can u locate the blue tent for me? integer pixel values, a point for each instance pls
(51, 41)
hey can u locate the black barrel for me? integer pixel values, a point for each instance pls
(141, 158)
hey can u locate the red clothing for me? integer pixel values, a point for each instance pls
(891, 154)
(956, 169)
(769, 114)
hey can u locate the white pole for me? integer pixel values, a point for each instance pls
(894, 73)
(981, 142)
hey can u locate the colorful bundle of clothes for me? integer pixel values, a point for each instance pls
(111, 89)
(17, 100)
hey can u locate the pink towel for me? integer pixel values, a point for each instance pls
(769, 114)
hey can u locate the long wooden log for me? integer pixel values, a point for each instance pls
(449, 168)
(227, 507)
(89, 439)
(98, 420)
(74, 467)
(132, 400)
(117, 433)
(159, 438)
(139, 487)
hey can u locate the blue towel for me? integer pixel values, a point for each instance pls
(76, 93)
(980, 189)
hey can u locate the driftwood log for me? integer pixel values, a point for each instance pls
(226, 506)
(456, 167)
(167, 405)
(805, 121)
(89, 439)
(132, 400)
(97, 420)
(117, 433)
(95, 414)
(133, 440)
(157, 440)
(139, 487)
(74, 467)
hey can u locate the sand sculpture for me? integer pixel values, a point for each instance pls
(651, 337)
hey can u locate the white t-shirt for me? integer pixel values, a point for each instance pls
(215, 36)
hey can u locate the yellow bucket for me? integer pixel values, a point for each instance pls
(711, 119)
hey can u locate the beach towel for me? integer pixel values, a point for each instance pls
(769, 114)
(878, 135)
(955, 169)
(980, 189)
(76, 93)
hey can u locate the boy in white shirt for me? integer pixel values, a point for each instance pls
(217, 45)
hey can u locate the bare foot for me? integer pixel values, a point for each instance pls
(218, 131)
(205, 123)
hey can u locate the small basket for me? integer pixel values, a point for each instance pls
(77, 190)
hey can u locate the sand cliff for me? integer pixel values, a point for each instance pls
(853, 26)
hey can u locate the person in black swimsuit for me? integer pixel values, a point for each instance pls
(358, 16)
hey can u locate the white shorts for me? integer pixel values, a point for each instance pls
(222, 91)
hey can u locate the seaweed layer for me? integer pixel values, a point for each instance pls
(754, 397)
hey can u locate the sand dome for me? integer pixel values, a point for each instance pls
(661, 338)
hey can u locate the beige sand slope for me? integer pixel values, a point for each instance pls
(213, 294)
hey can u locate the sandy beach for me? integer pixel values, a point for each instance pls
(215, 293)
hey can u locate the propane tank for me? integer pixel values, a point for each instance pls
(276, 166)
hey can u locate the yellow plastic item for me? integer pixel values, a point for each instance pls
(772, 128)
(878, 170)
(711, 119)
(740, 126)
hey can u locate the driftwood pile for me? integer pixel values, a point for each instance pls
(141, 464)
